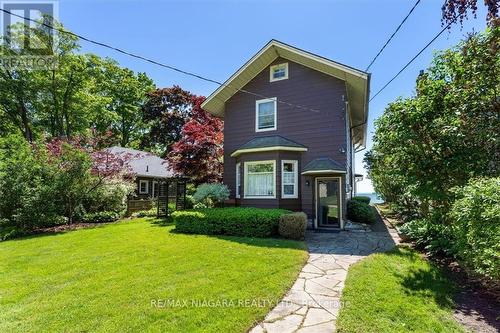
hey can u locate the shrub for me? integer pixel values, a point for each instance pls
(211, 195)
(110, 196)
(189, 201)
(293, 226)
(475, 217)
(429, 234)
(100, 217)
(358, 211)
(153, 212)
(363, 199)
(250, 222)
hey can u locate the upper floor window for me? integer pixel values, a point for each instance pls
(265, 115)
(278, 72)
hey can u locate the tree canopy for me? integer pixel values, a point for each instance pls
(444, 135)
(83, 92)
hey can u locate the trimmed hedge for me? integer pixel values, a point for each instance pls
(362, 199)
(293, 226)
(235, 221)
(358, 211)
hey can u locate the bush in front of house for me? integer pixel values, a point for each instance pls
(101, 217)
(475, 221)
(362, 198)
(293, 226)
(211, 195)
(235, 221)
(361, 212)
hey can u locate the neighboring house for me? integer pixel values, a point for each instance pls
(149, 171)
(292, 123)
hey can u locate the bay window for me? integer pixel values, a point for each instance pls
(289, 179)
(260, 179)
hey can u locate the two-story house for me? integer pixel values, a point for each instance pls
(292, 123)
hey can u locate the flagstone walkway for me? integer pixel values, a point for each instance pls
(313, 303)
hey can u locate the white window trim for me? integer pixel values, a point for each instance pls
(261, 101)
(271, 70)
(295, 194)
(155, 188)
(238, 180)
(245, 180)
(140, 186)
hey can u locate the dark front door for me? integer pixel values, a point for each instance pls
(328, 202)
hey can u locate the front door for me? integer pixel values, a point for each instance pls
(328, 202)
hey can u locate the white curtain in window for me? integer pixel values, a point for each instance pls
(260, 184)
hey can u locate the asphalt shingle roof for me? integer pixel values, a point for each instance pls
(323, 163)
(144, 163)
(270, 141)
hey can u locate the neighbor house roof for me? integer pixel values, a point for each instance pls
(143, 163)
(323, 165)
(269, 143)
(357, 82)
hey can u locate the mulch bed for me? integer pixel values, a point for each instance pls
(67, 227)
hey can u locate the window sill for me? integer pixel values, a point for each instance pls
(260, 197)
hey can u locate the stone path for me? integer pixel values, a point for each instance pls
(313, 303)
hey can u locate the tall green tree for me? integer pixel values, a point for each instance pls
(444, 135)
(82, 92)
(128, 94)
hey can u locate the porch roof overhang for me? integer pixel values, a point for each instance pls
(269, 143)
(322, 166)
(357, 83)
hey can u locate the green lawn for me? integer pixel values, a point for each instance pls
(396, 292)
(106, 279)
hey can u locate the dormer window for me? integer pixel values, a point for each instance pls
(279, 72)
(265, 115)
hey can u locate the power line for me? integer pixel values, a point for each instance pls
(156, 62)
(412, 59)
(393, 34)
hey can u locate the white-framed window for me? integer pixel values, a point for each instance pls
(278, 72)
(143, 187)
(238, 179)
(155, 189)
(260, 179)
(289, 179)
(265, 115)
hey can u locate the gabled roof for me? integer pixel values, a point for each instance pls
(269, 143)
(323, 165)
(357, 82)
(143, 163)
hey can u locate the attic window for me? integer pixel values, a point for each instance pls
(279, 72)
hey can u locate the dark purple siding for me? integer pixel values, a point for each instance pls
(323, 132)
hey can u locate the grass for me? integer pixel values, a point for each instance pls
(108, 279)
(397, 291)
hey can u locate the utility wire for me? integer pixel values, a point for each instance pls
(393, 34)
(156, 62)
(412, 59)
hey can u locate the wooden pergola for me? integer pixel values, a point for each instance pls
(172, 192)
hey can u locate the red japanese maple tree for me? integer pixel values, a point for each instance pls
(199, 153)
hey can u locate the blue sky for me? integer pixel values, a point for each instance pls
(214, 38)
